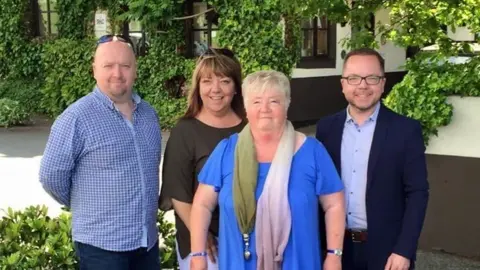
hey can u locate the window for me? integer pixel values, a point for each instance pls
(138, 37)
(48, 17)
(315, 37)
(318, 43)
(201, 29)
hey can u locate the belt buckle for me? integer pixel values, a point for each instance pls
(355, 233)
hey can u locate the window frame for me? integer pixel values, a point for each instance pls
(190, 31)
(39, 16)
(325, 60)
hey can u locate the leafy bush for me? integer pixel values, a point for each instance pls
(169, 109)
(163, 77)
(75, 18)
(30, 239)
(423, 92)
(68, 73)
(12, 113)
(26, 92)
(25, 60)
(13, 32)
(256, 36)
(168, 251)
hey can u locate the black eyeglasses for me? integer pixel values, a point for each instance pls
(110, 38)
(216, 51)
(370, 80)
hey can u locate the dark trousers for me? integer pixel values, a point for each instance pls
(354, 255)
(93, 258)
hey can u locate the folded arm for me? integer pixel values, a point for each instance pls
(58, 161)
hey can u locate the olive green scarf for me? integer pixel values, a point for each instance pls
(244, 191)
(271, 214)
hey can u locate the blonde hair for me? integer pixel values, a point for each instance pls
(260, 81)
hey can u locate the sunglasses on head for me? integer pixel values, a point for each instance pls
(215, 51)
(114, 38)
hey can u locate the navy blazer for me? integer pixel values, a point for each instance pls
(397, 187)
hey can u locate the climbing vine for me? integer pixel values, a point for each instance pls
(75, 18)
(423, 92)
(256, 34)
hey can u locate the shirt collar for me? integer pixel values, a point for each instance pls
(372, 117)
(107, 101)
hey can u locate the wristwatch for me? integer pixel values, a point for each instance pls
(337, 252)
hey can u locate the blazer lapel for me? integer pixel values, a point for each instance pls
(337, 134)
(379, 136)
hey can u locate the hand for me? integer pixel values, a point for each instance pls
(397, 262)
(198, 263)
(332, 262)
(212, 250)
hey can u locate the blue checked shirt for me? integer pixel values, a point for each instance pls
(106, 169)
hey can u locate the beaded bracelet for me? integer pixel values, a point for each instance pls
(199, 254)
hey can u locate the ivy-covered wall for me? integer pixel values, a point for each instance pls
(265, 35)
(62, 63)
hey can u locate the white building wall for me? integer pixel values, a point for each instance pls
(460, 34)
(394, 56)
(462, 136)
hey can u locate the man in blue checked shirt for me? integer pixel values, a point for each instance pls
(102, 160)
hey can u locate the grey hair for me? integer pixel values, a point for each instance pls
(260, 81)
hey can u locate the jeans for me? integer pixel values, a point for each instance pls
(93, 258)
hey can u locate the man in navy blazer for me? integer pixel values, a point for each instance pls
(381, 158)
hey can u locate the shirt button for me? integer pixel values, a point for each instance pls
(349, 213)
(354, 171)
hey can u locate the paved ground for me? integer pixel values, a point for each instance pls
(21, 149)
(20, 153)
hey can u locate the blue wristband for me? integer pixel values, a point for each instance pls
(199, 254)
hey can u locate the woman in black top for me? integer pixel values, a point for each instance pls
(215, 111)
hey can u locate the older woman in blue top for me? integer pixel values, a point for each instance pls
(267, 181)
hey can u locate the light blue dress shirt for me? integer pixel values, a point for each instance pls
(106, 169)
(356, 144)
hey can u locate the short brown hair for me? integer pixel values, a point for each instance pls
(220, 63)
(366, 52)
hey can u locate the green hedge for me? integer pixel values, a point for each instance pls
(30, 239)
(256, 36)
(423, 92)
(12, 113)
(26, 92)
(67, 67)
(13, 32)
(75, 18)
(64, 64)
(162, 78)
(33, 240)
